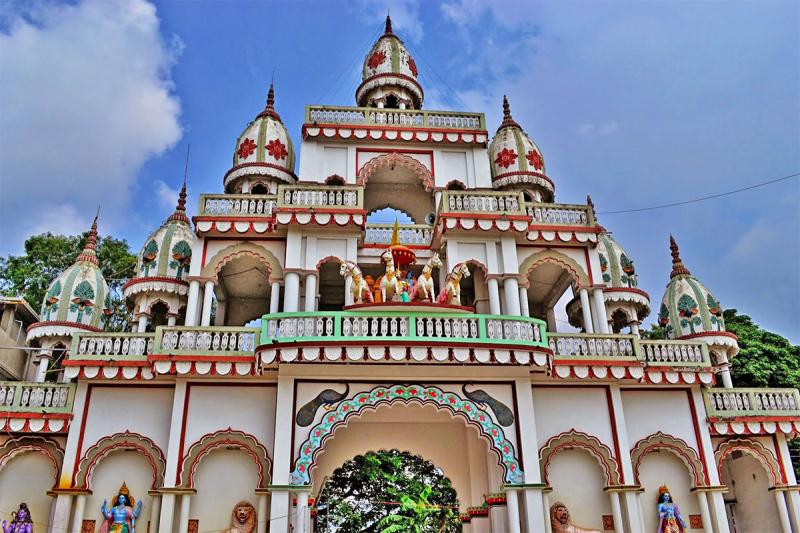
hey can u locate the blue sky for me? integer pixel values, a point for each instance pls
(637, 104)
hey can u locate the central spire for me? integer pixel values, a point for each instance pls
(269, 109)
(180, 209)
(89, 253)
(388, 30)
(508, 120)
(678, 269)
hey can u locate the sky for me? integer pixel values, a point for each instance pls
(634, 103)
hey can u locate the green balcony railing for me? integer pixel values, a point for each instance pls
(344, 326)
(411, 118)
(22, 396)
(683, 354)
(744, 402)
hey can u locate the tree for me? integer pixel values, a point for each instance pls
(47, 255)
(388, 491)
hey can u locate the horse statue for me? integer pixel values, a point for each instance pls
(451, 293)
(359, 288)
(423, 288)
(390, 285)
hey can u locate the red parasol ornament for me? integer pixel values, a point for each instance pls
(402, 255)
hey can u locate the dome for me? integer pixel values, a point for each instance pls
(163, 262)
(389, 75)
(264, 149)
(78, 298)
(688, 308)
(516, 161)
(620, 278)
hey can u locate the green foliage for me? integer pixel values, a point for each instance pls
(387, 492)
(47, 255)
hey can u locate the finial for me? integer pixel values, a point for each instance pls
(180, 209)
(269, 110)
(508, 120)
(677, 265)
(395, 233)
(388, 30)
(589, 201)
(89, 253)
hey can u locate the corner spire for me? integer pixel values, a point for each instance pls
(180, 209)
(89, 253)
(677, 265)
(388, 30)
(508, 120)
(269, 109)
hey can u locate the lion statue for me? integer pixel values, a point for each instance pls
(243, 518)
(559, 521)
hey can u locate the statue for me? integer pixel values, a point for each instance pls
(21, 521)
(243, 518)
(390, 285)
(359, 289)
(451, 293)
(423, 289)
(559, 521)
(121, 518)
(669, 516)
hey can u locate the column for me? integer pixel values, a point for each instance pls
(166, 518)
(635, 327)
(783, 511)
(511, 291)
(600, 310)
(219, 316)
(512, 505)
(536, 516)
(616, 512)
(141, 325)
(261, 512)
(721, 360)
(171, 319)
(155, 510)
(494, 296)
(183, 523)
(208, 298)
(282, 452)
(291, 295)
(551, 320)
(80, 504)
(191, 304)
(548, 527)
(586, 311)
(311, 293)
(60, 512)
(630, 501)
(497, 517)
(42, 364)
(198, 313)
(303, 512)
(705, 514)
(348, 290)
(274, 297)
(524, 305)
(792, 496)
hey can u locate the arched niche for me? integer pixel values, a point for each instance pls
(399, 181)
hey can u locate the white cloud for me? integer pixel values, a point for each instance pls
(87, 100)
(589, 130)
(167, 196)
(60, 219)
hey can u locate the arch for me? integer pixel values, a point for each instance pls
(328, 259)
(758, 451)
(226, 255)
(405, 394)
(557, 258)
(661, 441)
(576, 439)
(225, 438)
(125, 440)
(50, 449)
(395, 159)
(155, 302)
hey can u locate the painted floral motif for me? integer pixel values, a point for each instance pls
(246, 149)
(715, 309)
(407, 393)
(687, 310)
(506, 158)
(149, 255)
(376, 59)
(412, 66)
(51, 300)
(181, 257)
(535, 159)
(663, 317)
(82, 298)
(629, 272)
(277, 149)
(604, 268)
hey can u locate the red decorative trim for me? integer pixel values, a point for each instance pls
(396, 158)
(589, 265)
(577, 439)
(780, 458)
(679, 447)
(135, 281)
(698, 436)
(82, 477)
(613, 416)
(413, 129)
(328, 259)
(708, 334)
(429, 153)
(63, 323)
(758, 451)
(223, 438)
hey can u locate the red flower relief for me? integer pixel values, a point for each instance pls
(506, 158)
(246, 148)
(375, 60)
(412, 65)
(535, 159)
(277, 149)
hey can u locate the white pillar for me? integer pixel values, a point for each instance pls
(548, 527)
(155, 510)
(183, 523)
(536, 516)
(280, 503)
(719, 516)
(311, 293)
(634, 328)
(616, 512)
(348, 290)
(494, 296)
(274, 297)
(511, 291)
(262, 513)
(586, 311)
(302, 512)
(166, 518)
(783, 511)
(291, 292)
(171, 320)
(705, 514)
(191, 304)
(552, 327)
(512, 505)
(725, 374)
(80, 504)
(600, 310)
(141, 325)
(60, 513)
(497, 518)
(41, 367)
(208, 298)
(792, 496)
(629, 499)
(524, 305)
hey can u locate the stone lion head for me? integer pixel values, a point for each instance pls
(243, 517)
(559, 514)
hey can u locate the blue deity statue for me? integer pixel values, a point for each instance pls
(121, 518)
(21, 521)
(669, 516)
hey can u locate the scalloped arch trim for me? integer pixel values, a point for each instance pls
(50, 449)
(228, 254)
(224, 438)
(395, 159)
(573, 439)
(758, 451)
(557, 258)
(125, 440)
(661, 441)
(405, 394)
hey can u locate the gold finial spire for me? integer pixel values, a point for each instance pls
(395, 233)
(678, 269)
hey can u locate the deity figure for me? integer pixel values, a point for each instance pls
(243, 518)
(121, 518)
(21, 521)
(560, 523)
(669, 516)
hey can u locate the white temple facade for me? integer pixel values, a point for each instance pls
(282, 331)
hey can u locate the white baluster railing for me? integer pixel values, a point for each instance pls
(207, 340)
(237, 205)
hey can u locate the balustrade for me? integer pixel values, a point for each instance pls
(237, 204)
(685, 353)
(407, 233)
(206, 340)
(105, 345)
(481, 202)
(650, 352)
(20, 396)
(560, 214)
(583, 345)
(320, 196)
(729, 403)
(412, 118)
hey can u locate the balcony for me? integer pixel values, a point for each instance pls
(236, 205)
(559, 214)
(405, 118)
(494, 202)
(45, 398)
(321, 196)
(750, 411)
(408, 234)
(224, 341)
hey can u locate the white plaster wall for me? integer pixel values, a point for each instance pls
(325, 248)
(664, 468)
(143, 410)
(562, 409)
(470, 250)
(578, 481)
(755, 509)
(211, 408)
(27, 478)
(334, 161)
(130, 467)
(453, 166)
(223, 479)
(650, 411)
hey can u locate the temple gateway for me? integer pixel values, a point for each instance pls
(292, 325)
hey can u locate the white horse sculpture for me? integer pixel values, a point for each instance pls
(451, 293)
(390, 285)
(359, 287)
(423, 288)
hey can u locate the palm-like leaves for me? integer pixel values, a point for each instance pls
(181, 257)
(149, 255)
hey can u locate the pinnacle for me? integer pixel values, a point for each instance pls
(678, 269)
(388, 30)
(180, 209)
(89, 253)
(269, 109)
(508, 120)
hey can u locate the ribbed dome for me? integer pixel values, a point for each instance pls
(615, 264)
(389, 71)
(264, 148)
(516, 161)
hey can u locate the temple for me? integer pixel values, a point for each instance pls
(390, 283)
